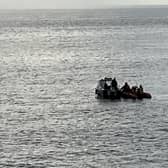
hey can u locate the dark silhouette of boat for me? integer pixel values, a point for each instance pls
(106, 90)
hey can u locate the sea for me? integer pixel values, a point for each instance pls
(50, 63)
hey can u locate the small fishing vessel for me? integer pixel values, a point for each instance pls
(107, 89)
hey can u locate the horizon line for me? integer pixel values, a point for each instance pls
(98, 8)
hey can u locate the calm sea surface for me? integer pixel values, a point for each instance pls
(50, 61)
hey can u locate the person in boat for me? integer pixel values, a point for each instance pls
(106, 86)
(114, 84)
(126, 88)
(115, 91)
(134, 89)
(141, 88)
(140, 91)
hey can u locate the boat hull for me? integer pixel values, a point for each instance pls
(107, 94)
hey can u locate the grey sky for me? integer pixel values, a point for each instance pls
(26, 4)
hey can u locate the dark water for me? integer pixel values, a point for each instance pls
(50, 63)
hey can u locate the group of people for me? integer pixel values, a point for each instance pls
(133, 89)
(108, 88)
(124, 89)
(113, 85)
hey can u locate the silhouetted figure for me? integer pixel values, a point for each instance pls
(134, 89)
(126, 88)
(105, 86)
(114, 84)
(141, 88)
(140, 92)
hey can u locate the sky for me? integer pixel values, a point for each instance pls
(64, 4)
